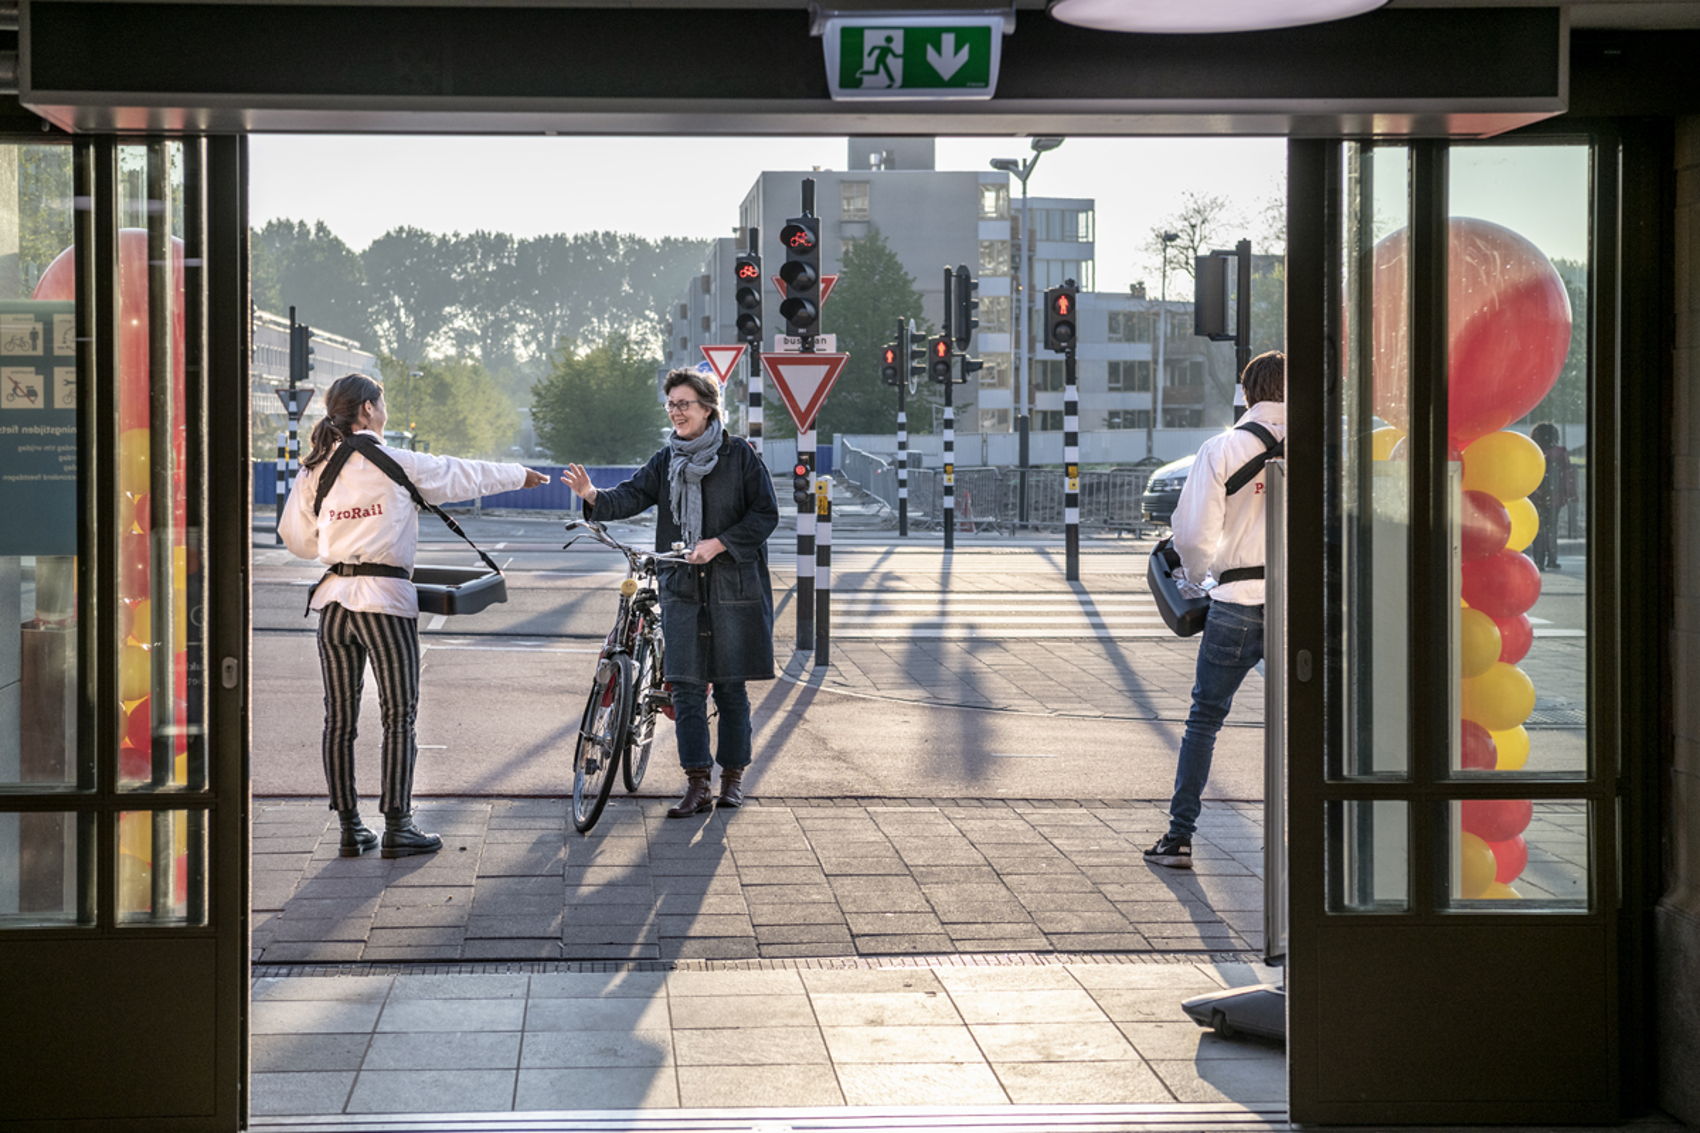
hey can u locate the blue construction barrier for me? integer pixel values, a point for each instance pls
(553, 496)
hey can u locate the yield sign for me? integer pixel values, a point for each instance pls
(803, 381)
(723, 359)
(826, 284)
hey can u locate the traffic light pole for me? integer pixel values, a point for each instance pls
(949, 431)
(752, 375)
(902, 431)
(823, 573)
(1071, 469)
(806, 547)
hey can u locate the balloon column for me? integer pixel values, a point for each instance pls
(140, 546)
(1508, 333)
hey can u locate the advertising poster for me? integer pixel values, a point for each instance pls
(38, 428)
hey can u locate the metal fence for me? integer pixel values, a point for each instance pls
(988, 499)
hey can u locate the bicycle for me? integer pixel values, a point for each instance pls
(629, 690)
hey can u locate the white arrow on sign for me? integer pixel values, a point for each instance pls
(722, 359)
(803, 381)
(949, 61)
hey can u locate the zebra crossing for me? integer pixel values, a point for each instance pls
(891, 615)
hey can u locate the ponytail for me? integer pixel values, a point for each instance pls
(342, 411)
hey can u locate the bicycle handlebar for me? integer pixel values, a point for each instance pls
(633, 554)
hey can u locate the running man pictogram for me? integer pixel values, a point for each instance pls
(882, 58)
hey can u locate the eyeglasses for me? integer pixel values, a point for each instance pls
(680, 406)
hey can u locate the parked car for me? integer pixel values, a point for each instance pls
(1163, 490)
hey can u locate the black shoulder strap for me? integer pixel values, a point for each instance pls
(372, 451)
(1253, 467)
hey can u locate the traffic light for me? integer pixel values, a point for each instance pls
(801, 275)
(802, 486)
(970, 367)
(891, 370)
(916, 348)
(300, 354)
(1059, 317)
(747, 295)
(938, 353)
(967, 303)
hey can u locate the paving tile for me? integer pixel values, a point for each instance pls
(304, 1017)
(802, 934)
(377, 952)
(701, 904)
(1129, 941)
(1010, 977)
(1059, 1005)
(710, 948)
(1187, 1040)
(857, 981)
(812, 912)
(1185, 979)
(707, 1012)
(740, 1086)
(814, 950)
(930, 875)
(864, 924)
(274, 1053)
(426, 936)
(1052, 1042)
(1247, 1081)
(884, 1009)
(581, 895)
(346, 988)
(432, 1091)
(542, 926)
(890, 1044)
(707, 924)
(547, 1049)
(417, 916)
(287, 929)
(597, 985)
(492, 985)
(408, 1015)
(1124, 1082)
(920, 1083)
(609, 915)
(749, 1046)
(426, 895)
(473, 1050)
(611, 951)
(894, 945)
(1079, 920)
(300, 1092)
(575, 934)
(510, 948)
(604, 1013)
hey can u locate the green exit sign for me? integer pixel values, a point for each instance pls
(913, 57)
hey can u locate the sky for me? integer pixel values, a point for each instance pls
(362, 186)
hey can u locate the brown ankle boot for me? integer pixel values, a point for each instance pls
(699, 794)
(731, 787)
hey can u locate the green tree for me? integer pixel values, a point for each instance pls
(486, 317)
(411, 291)
(588, 286)
(599, 406)
(1567, 403)
(454, 407)
(311, 269)
(44, 209)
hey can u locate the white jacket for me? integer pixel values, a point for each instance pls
(1214, 531)
(369, 518)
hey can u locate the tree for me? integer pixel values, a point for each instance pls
(872, 294)
(486, 317)
(312, 270)
(588, 286)
(1201, 225)
(453, 406)
(599, 406)
(44, 209)
(1567, 403)
(412, 291)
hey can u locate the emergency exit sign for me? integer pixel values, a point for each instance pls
(913, 57)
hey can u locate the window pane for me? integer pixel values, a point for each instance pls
(44, 871)
(162, 867)
(1514, 856)
(39, 459)
(1368, 857)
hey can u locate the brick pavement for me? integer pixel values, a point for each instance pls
(780, 878)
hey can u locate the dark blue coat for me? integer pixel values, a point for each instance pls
(717, 618)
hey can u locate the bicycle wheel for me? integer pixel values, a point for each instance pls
(601, 739)
(650, 692)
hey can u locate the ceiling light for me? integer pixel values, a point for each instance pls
(1201, 16)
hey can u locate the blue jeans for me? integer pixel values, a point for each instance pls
(690, 724)
(1232, 645)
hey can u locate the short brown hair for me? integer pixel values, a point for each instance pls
(1265, 378)
(705, 387)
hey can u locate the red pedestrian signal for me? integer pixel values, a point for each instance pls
(940, 354)
(1060, 305)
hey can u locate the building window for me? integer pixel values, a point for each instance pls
(1130, 376)
(1132, 326)
(994, 200)
(707, 323)
(1052, 273)
(1183, 418)
(994, 421)
(994, 374)
(1048, 420)
(1128, 419)
(1073, 226)
(846, 246)
(1047, 375)
(705, 284)
(994, 257)
(853, 198)
(994, 314)
(1183, 373)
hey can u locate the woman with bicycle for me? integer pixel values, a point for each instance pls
(714, 496)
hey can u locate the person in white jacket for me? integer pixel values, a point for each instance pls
(1220, 537)
(366, 530)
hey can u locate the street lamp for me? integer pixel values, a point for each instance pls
(412, 441)
(1021, 171)
(1164, 239)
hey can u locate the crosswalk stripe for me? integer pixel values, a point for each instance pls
(889, 615)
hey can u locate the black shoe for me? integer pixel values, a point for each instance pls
(1176, 853)
(403, 839)
(357, 837)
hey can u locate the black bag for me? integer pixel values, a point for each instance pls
(442, 590)
(1185, 615)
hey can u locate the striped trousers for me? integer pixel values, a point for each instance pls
(347, 640)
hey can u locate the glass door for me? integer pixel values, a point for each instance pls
(121, 740)
(1453, 808)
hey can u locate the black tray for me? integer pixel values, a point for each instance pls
(458, 590)
(1184, 616)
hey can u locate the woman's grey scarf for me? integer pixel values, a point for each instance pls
(691, 461)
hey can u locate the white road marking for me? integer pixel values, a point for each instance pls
(1022, 755)
(438, 621)
(514, 649)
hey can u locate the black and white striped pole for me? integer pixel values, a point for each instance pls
(823, 571)
(940, 369)
(282, 483)
(800, 274)
(747, 293)
(1060, 337)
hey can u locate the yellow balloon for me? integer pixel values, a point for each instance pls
(1476, 866)
(135, 834)
(1525, 521)
(138, 626)
(1513, 747)
(135, 671)
(1381, 442)
(134, 458)
(1500, 699)
(135, 885)
(1505, 464)
(1478, 643)
(1499, 891)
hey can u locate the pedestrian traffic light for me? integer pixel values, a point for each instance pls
(891, 369)
(939, 354)
(970, 366)
(1059, 317)
(801, 275)
(802, 486)
(967, 303)
(747, 295)
(300, 354)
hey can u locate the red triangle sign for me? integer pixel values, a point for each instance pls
(826, 285)
(803, 381)
(723, 359)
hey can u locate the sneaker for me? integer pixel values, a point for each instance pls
(1176, 853)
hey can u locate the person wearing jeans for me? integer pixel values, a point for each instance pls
(1219, 534)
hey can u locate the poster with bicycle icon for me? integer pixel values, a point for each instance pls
(38, 427)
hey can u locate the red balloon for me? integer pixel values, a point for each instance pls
(1516, 635)
(133, 566)
(1511, 858)
(1508, 324)
(135, 752)
(1502, 585)
(1476, 749)
(1496, 820)
(1486, 524)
